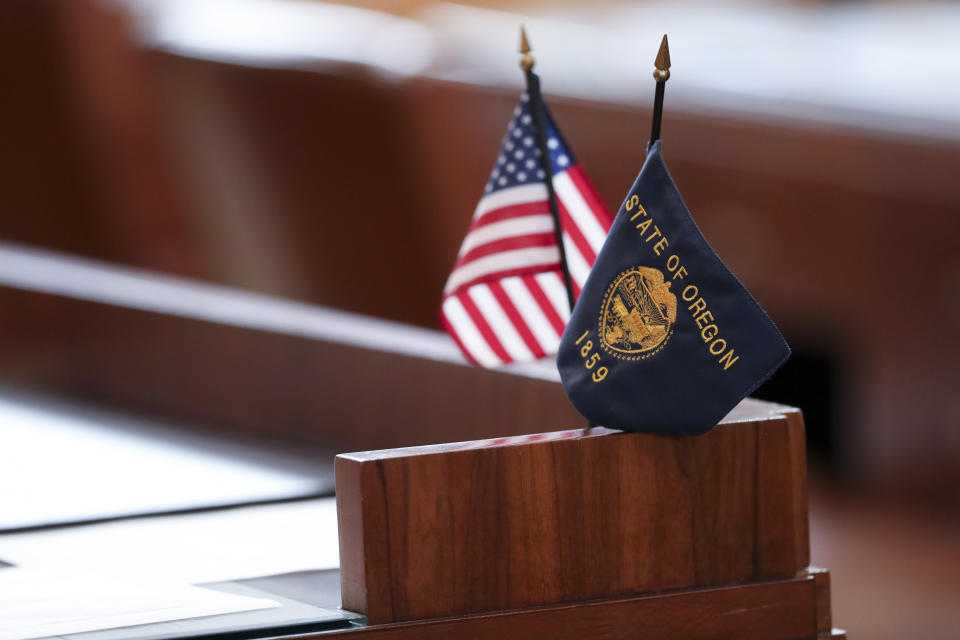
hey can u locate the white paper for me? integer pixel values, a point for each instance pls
(64, 465)
(214, 546)
(36, 604)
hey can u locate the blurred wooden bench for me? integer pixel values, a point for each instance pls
(327, 179)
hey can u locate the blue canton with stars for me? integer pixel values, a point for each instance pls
(519, 160)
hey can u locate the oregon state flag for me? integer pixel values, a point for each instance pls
(663, 338)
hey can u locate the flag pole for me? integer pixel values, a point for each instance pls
(661, 74)
(546, 165)
(539, 125)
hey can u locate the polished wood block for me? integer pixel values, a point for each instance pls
(449, 529)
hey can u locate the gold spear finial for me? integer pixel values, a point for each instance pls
(526, 62)
(662, 63)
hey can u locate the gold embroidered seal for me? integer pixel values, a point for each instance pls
(637, 315)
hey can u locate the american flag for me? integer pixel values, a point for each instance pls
(505, 299)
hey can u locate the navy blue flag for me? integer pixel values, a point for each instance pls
(663, 339)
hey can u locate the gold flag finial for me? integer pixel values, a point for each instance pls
(526, 62)
(662, 63)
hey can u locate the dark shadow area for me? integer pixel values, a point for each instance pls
(809, 380)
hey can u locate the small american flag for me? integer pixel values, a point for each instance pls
(505, 300)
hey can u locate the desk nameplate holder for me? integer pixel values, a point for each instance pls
(598, 536)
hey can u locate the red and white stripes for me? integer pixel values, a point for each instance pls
(505, 299)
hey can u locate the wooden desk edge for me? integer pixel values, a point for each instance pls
(748, 410)
(769, 610)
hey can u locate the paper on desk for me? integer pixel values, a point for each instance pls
(67, 464)
(36, 603)
(192, 548)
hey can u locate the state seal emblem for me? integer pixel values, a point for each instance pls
(637, 315)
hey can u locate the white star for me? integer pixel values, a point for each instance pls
(517, 133)
(518, 154)
(531, 164)
(511, 168)
(489, 188)
(521, 176)
(501, 159)
(553, 143)
(502, 181)
(509, 145)
(525, 119)
(563, 160)
(528, 141)
(540, 173)
(516, 111)
(496, 173)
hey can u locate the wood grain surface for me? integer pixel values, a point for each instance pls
(821, 579)
(451, 529)
(759, 611)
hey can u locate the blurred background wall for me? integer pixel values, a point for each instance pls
(332, 153)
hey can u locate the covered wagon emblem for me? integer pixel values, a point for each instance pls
(637, 315)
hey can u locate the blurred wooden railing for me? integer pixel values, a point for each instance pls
(287, 374)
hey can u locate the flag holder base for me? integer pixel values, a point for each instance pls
(605, 535)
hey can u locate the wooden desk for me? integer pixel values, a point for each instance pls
(747, 612)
